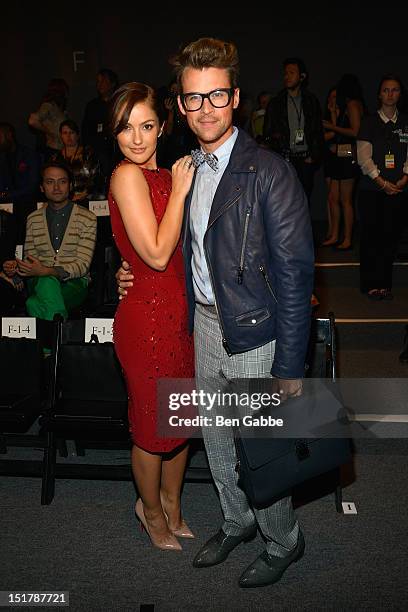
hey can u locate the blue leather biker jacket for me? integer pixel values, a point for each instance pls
(259, 251)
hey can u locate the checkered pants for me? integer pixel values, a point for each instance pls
(213, 368)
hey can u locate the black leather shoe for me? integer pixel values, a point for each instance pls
(268, 569)
(404, 353)
(217, 549)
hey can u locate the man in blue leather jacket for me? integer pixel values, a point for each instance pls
(248, 254)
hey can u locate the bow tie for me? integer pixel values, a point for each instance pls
(199, 158)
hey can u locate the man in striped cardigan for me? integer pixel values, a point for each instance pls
(59, 245)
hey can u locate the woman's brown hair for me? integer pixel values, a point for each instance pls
(124, 99)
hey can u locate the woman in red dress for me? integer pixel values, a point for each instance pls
(150, 329)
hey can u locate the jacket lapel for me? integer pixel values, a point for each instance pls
(230, 189)
(185, 230)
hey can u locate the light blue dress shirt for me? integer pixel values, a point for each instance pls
(205, 186)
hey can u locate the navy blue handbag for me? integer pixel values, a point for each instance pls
(270, 464)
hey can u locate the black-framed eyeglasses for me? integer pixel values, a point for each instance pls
(219, 98)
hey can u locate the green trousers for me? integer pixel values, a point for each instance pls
(49, 296)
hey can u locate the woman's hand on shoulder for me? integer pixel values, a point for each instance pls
(182, 173)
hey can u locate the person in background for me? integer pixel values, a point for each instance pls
(330, 113)
(341, 167)
(382, 147)
(95, 126)
(177, 139)
(58, 250)
(243, 112)
(81, 160)
(11, 284)
(49, 117)
(258, 115)
(19, 176)
(293, 123)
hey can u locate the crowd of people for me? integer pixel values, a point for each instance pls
(220, 245)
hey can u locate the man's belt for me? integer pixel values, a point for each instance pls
(209, 307)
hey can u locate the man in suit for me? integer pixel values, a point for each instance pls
(248, 254)
(58, 250)
(293, 123)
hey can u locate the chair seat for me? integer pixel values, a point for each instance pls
(14, 401)
(75, 419)
(18, 410)
(90, 410)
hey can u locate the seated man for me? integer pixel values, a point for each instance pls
(60, 241)
(11, 284)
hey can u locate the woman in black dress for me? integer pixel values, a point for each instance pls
(341, 165)
(382, 148)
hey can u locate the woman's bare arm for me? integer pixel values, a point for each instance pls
(153, 242)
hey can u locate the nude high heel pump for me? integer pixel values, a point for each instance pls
(167, 543)
(183, 531)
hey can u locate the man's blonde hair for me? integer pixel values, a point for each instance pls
(207, 53)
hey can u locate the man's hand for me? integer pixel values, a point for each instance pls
(10, 267)
(287, 388)
(124, 279)
(32, 266)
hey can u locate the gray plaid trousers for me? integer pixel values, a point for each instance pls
(214, 367)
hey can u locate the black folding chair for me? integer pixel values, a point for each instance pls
(321, 363)
(321, 355)
(87, 402)
(22, 387)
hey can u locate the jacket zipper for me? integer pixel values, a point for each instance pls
(263, 272)
(224, 341)
(242, 254)
(229, 206)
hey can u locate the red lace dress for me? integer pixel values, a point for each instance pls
(150, 327)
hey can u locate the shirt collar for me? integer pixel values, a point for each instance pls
(387, 119)
(223, 152)
(51, 213)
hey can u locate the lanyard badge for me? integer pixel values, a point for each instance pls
(390, 161)
(299, 137)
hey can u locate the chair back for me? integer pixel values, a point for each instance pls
(321, 355)
(89, 371)
(22, 367)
